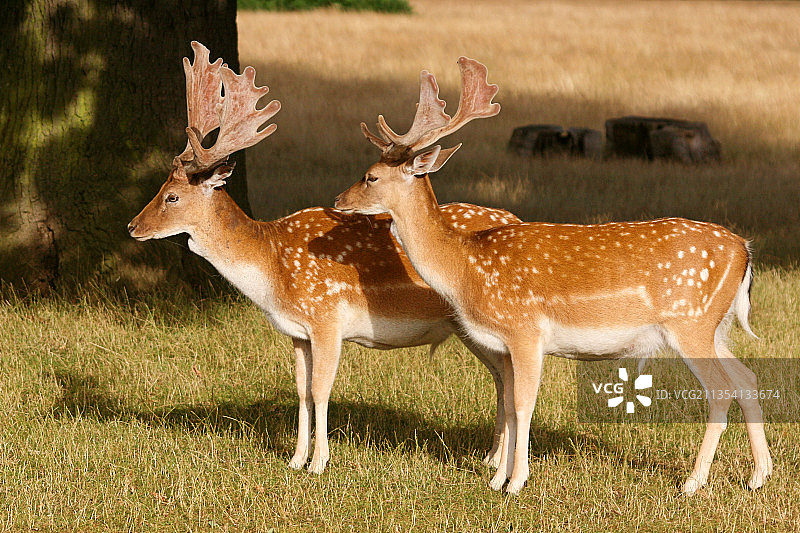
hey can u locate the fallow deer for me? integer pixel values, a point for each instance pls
(582, 291)
(319, 275)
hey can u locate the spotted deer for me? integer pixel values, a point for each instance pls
(586, 292)
(319, 275)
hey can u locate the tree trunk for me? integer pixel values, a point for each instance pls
(92, 111)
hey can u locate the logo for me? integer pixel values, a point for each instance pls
(620, 391)
(643, 381)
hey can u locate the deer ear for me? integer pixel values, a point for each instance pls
(444, 155)
(423, 163)
(178, 172)
(217, 178)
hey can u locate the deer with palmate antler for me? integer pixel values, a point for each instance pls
(581, 291)
(320, 276)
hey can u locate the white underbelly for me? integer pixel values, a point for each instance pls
(361, 327)
(355, 324)
(483, 336)
(580, 343)
(601, 343)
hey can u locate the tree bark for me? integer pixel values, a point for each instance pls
(92, 111)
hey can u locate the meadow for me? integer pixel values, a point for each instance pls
(176, 411)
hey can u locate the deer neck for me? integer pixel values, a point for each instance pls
(227, 238)
(434, 247)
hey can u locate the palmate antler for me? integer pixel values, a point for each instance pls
(235, 114)
(431, 123)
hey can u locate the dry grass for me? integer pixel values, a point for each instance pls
(733, 65)
(165, 413)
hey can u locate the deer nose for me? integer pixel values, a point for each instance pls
(131, 227)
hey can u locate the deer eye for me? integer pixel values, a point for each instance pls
(371, 179)
(171, 198)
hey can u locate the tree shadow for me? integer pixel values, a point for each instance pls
(271, 422)
(95, 97)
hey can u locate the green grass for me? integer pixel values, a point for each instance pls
(381, 6)
(169, 413)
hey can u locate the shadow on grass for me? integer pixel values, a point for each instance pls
(271, 423)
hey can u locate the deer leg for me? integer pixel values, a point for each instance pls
(506, 463)
(746, 385)
(494, 363)
(303, 372)
(713, 379)
(719, 370)
(700, 357)
(326, 349)
(527, 360)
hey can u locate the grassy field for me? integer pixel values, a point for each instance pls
(177, 412)
(574, 64)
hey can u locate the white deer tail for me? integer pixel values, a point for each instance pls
(741, 303)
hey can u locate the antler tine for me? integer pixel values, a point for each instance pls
(383, 144)
(239, 120)
(431, 123)
(430, 114)
(475, 101)
(203, 93)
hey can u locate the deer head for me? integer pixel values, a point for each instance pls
(404, 157)
(198, 172)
